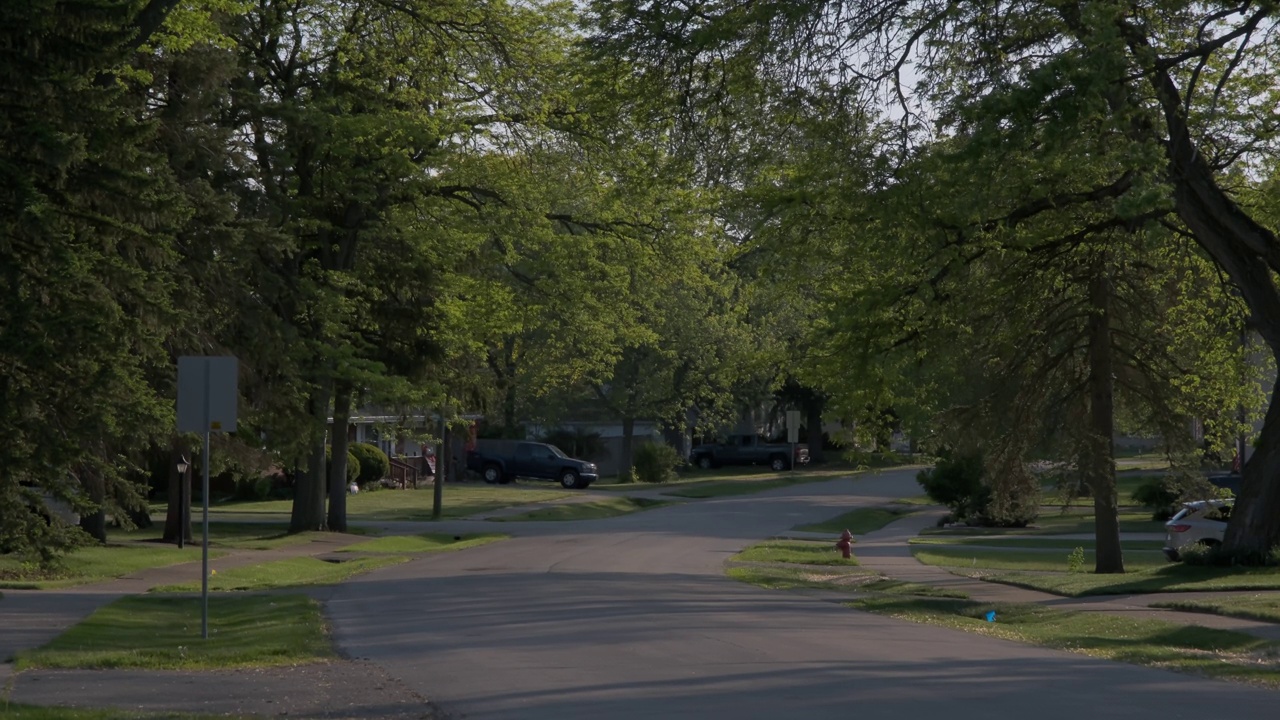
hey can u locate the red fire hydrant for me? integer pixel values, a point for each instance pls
(844, 543)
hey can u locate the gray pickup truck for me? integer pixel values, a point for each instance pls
(501, 461)
(749, 450)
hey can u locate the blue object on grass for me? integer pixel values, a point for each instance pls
(991, 616)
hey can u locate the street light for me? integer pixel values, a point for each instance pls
(183, 467)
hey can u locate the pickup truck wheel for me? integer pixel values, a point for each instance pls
(778, 462)
(492, 474)
(569, 479)
(705, 463)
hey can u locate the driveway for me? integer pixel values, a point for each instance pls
(632, 617)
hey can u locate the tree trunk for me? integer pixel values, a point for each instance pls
(813, 409)
(1250, 254)
(1099, 460)
(308, 499)
(338, 464)
(95, 488)
(177, 519)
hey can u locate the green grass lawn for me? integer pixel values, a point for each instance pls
(747, 486)
(1075, 521)
(802, 552)
(154, 633)
(1028, 542)
(95, 564)
(775, 577)
(1251, 607)
(1170, 578)
(460, 500)
(427, 542)
(1201, 651)
(920, 500)
(735, 473)
(10, 711)
(988, 558)
(590, 510)
(290, 572)
(859, 522)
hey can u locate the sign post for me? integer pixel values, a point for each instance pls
(793, 432)
(207, 394)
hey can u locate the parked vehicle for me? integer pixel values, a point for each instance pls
(501, 461)
(749, 450)
(1202, 522)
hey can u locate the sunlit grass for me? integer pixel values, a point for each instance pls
(289, 572)
(156, 632)
(1198, 650)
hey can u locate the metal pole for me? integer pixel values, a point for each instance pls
(437, 488)
(204, 500)
(182, 505)
(204, 551)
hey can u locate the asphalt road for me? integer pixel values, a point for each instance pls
(633, 618)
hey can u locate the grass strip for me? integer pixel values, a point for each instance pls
(590, 510)
(1069, 523)
(1265, 608)
(1024, 560)
(415, 505)
(289, 572)
(859, 580)
(151, 632)
(859, 522)
(424, 543)
(1170, 578)
(1030, 542)
(746, 487)
(800, 552)
(95, 564)
(1186, 648)
(13, 711)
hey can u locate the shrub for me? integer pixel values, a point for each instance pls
(656, 462)
(956, 481)
(373, 464)
(254, 488)
(353, 464)
(1158, 496)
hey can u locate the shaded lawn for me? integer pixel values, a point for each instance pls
(426, 542)
(1265, 608)
(460, 500)
(11, 711)
(858, 522)
(95, 564)
(290, 572)
(802, 552)
(1170, 578)
(1075, 521)
(1202, 651)
(746, 487)
(156, 632)
(590, 510)
(1029, 542)
(988, 558)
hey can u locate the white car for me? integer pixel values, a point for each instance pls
(1202, 522)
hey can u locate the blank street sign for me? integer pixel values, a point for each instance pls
(207, 394)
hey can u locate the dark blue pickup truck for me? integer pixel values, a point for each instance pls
(501, 461)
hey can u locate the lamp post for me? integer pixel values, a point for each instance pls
(183, 468)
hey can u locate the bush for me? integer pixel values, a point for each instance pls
(956, 481)
(254, 488)
(373, 464)
(656, 462)
(1158, 496)
(353, 465)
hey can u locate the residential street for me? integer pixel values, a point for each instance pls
(632, 618)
